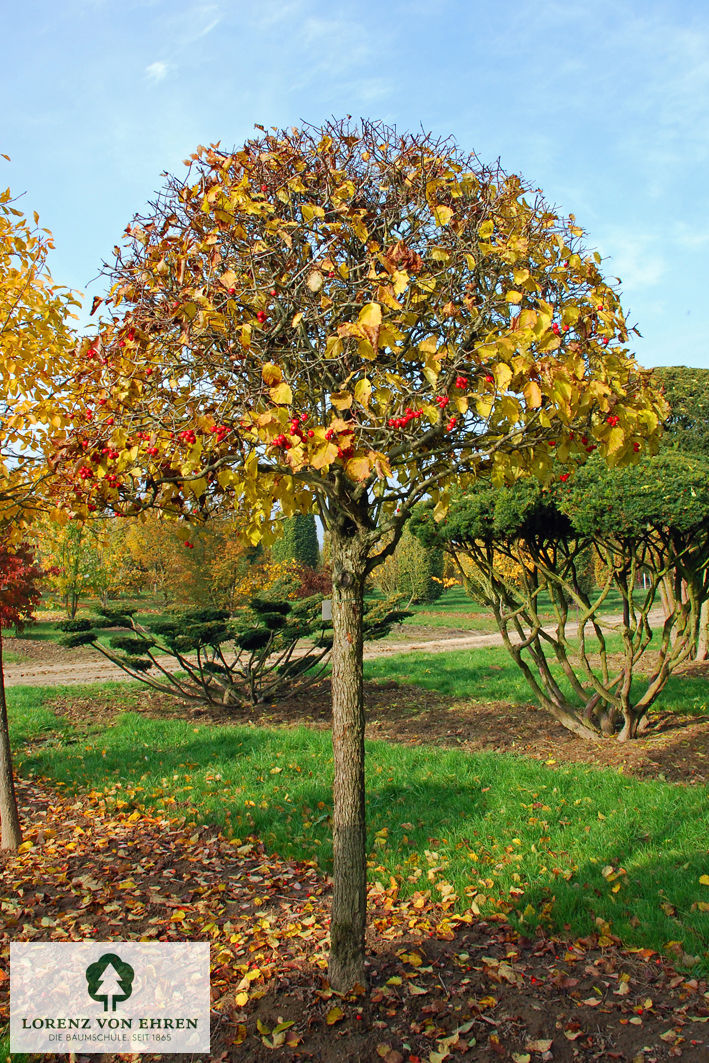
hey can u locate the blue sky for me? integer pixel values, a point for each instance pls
(605, 106)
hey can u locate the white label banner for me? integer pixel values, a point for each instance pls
(115, 996)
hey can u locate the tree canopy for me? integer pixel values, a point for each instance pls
(347, 320)
(687, 392)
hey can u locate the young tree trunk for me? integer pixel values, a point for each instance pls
(9, 816)
(349, 897)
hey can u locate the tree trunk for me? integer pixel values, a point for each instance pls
(9, 817)
(703, 640)
(631, 722)
(349, 896)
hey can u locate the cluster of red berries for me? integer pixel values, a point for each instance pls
(489, 379)
(451, 424)
(295, 426)
(347, 452)
(220, 431)
(113, 480)
(189, 545)
(145, 436)
(461, 381)
(613, 419)
(442, 401)
(557, 331)
(187, 436)
(152, 451)
(261, 316)
(636, 447)
(85, 472)
(282, 441)
(401, 422)
(112, 454)
(564, 477)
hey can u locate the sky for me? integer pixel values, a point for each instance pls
(604, 106)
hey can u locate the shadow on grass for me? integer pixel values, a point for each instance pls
(496, 827)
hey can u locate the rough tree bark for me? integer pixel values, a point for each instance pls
(349, 897)
(9, 816)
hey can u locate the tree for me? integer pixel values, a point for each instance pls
(529, 548)
(269, 650)
(687, 426)
(299, 541)
(349, 319)
(19, 594)
(420, 568)
(36, 348)
(687, 430)
(36, 355)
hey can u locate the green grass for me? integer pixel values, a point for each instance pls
(489, 674)
(485, 823)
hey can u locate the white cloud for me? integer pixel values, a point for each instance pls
(156, 71)
(634, 258)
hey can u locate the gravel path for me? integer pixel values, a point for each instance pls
(52, 665)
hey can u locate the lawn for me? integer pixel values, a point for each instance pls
(571, 846)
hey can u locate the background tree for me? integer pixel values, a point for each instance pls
(419, 568)
(299, 541)
(529, 551)
(347, 318)
(687, 392)
(19, 594)
(687, 429)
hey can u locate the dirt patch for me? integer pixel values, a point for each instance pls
(676, 749)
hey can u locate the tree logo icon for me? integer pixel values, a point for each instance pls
(110, 980)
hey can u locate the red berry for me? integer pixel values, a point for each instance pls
(264, 188)
(261, 316)
(273, 291)
(489, 379)
(564, 477)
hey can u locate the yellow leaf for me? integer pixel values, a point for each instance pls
(240, 1036)
(241, 999)
(486, 229)
(178, 916)
(704, 880)
(315, 281)
(533, 394)
(538, 1046)
(25, 847)
(615, 439)
(334, 1015)
(514, 297)
(363, 391)
(281, 395)
(333, 347)
(341, 400)
(359, 468)
(442, 215)
(371, 315)
(297, 318)
(271, 373)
